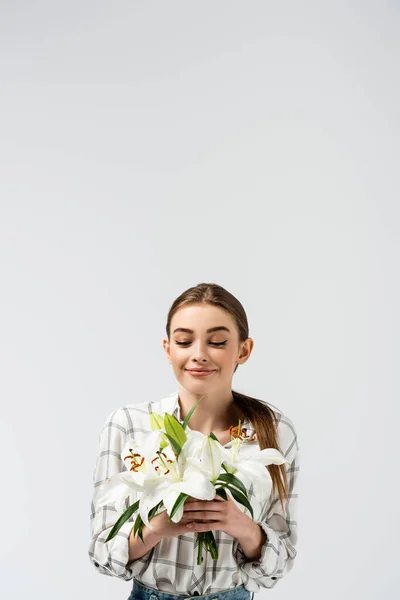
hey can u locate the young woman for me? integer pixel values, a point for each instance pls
(207, 339)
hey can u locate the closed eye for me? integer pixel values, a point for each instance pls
(212, 343)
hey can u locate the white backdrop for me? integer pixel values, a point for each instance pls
(146, 147)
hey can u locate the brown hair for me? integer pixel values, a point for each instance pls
(258, 412)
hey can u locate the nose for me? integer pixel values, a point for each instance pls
(200, 352)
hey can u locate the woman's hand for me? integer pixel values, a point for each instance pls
(215, 515)
(163, 527)
(209, 515)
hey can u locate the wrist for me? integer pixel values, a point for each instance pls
(250, 531)
(252, 541)
(137, 547)
(248, 528)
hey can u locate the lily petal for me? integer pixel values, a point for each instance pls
(196, 485)
(153, 493)
(272, 456)
(193, 443)
(114, 491)
(169, 502)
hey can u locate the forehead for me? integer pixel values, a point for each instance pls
(200, 317)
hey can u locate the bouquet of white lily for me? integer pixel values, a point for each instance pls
(172, 465)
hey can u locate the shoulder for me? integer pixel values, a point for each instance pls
(131, 417)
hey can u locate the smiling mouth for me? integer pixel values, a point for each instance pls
(200, 373)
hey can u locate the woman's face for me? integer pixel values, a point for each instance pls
(204, 337)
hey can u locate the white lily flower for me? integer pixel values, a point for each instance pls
(204, 453)
(140, 467)
(141, 460)
(248, 463)
(179, 477)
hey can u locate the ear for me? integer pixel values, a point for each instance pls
(165, 344)
(245, 351)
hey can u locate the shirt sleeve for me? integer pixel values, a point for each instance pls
(279, 549)
(111, 558)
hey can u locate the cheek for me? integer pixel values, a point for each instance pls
(228, 358)
(178, 356)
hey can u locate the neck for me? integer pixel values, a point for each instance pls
(216, 411)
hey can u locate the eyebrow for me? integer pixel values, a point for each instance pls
(219, 328)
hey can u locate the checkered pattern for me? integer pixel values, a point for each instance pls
(171, 565)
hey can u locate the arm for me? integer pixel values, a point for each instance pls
(275, 557)
(137, 548)
(252, 541)
(113, 557)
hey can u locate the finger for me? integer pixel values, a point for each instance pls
(201, 527)
(201, 515)
(204, 504)
(204, 510)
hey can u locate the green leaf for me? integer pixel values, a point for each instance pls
(140, 533)
(138, 524)
(213, 436)
(174, 429)
(174, 444)
(154, 510)
(221, 492)
(191, 411)
(180, 499)
(233, 480)
(241, 498)
(122, 519)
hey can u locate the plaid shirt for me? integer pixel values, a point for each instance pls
(171, 565)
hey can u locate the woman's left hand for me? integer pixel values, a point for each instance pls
(215, 515)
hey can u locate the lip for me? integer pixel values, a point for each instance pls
(200, 372)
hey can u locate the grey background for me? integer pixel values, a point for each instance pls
(146, 147)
